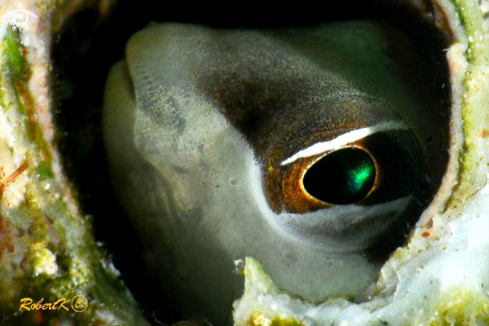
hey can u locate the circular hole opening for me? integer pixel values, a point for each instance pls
(88, 45)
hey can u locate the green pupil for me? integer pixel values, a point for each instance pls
(343, 177)
(360, 176)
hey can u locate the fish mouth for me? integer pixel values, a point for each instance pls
(437, 17)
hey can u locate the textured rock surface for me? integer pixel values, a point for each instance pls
(47, 248)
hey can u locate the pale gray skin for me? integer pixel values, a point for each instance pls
(190, 179)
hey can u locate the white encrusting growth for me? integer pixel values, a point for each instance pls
(345, 138)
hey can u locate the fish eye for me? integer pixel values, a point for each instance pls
(349, 189)
(314, 149)
(341, 177)
(365, 170)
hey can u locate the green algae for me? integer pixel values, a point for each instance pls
(474, 101)
(14, 57)
(279, 321)
(460, 307)
(45, 171)
(54, 244)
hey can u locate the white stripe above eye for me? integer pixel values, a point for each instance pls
(345, 138)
